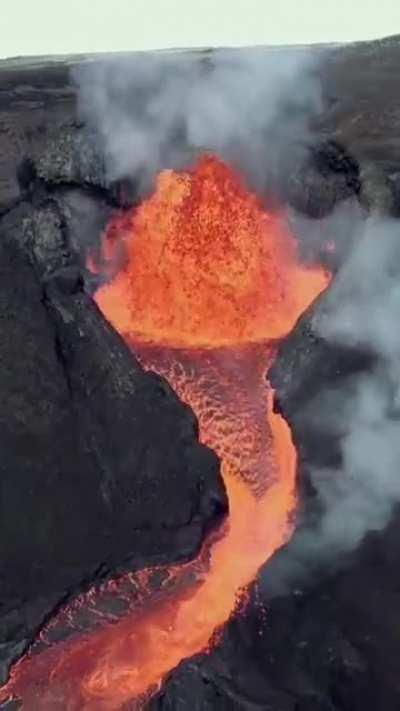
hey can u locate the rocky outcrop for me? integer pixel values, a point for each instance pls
(101, 468)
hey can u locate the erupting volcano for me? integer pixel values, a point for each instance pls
(207, 266)
(202, 281)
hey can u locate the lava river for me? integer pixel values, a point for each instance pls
(202, 283)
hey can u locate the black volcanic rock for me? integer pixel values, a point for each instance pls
(101, 467)
(101, 464)
(328, 176)
(69, 155)
(306, 362)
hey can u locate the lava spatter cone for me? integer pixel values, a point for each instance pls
(202, 264)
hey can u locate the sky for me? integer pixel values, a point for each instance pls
(34, 27)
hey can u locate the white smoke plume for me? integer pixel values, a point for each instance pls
(360, 413)
(362, 310)
(158, 110)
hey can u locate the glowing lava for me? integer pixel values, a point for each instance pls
(207, 265)
(204, 283)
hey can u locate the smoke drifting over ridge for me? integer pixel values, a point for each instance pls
(156, 111)
(362, 310)
(360, 413)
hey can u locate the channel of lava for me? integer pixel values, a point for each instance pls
(202, 283)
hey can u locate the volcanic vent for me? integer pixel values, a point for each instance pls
(201, 282)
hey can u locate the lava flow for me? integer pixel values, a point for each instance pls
(202, 282)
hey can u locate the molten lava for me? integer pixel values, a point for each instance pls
(207, 266)
(202, 282)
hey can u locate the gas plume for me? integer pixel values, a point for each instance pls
(156, 111)
(362, 311)
(360, 412)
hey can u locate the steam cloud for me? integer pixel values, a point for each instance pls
(361, 311)
(159, 110)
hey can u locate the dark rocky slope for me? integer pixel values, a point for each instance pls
(101, 468)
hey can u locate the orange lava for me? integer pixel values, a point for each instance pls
(204, 265)
(204, 282)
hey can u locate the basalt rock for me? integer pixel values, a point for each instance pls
(101, 467)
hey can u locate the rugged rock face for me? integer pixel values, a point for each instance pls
(101, 467)
(89, 484)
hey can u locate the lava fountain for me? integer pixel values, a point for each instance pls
(202, 282)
